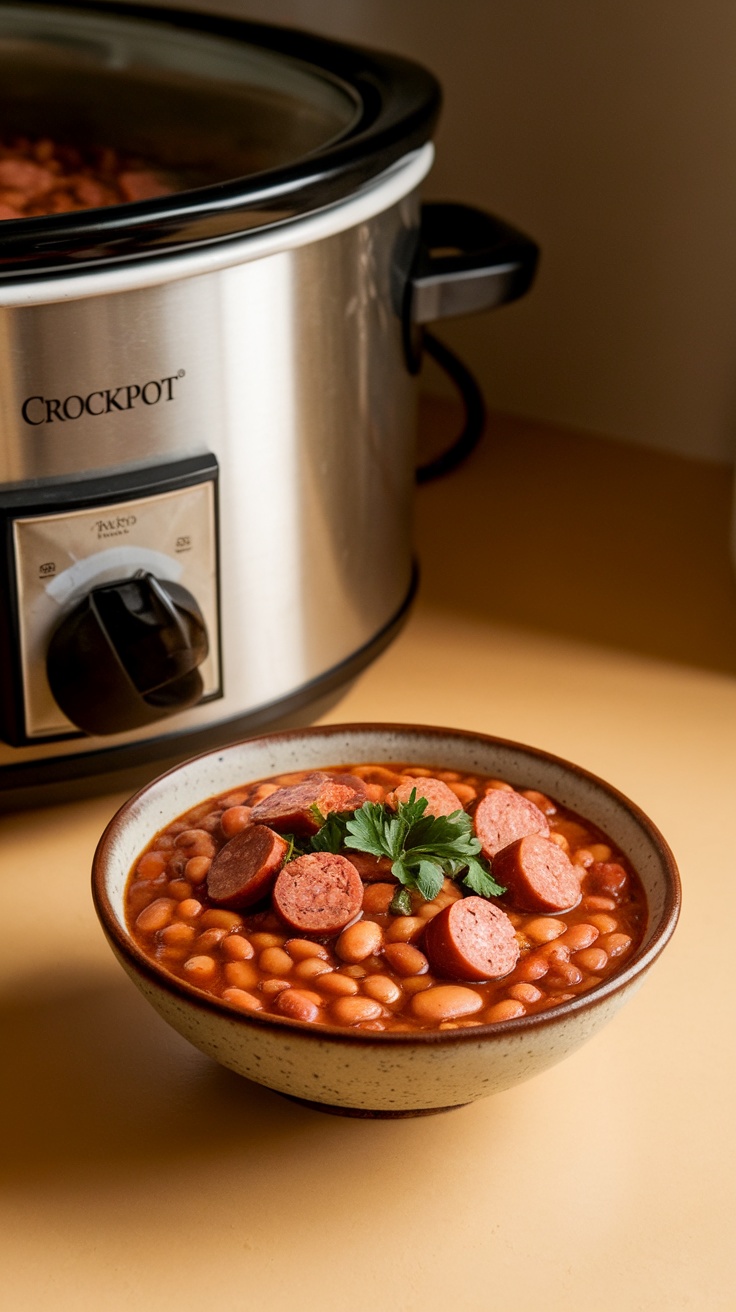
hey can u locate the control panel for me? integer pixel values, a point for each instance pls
(110, 613)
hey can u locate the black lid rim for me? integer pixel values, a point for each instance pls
(401, 102)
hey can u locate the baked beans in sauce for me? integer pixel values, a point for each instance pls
(42, 176)
(380, 972)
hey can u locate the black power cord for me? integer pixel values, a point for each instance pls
(475, 412)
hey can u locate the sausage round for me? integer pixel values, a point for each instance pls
(471, 939)
(539, 876)
(502, 816)
(319, 893)
(440, 798)
(289, 809)
(243, 871)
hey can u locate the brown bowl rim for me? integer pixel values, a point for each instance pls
(643, 958)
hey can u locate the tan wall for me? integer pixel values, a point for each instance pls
(607, 129)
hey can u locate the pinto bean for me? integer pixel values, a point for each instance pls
(377, 898)
(338, 984)
(196, 842)
(352, 1011)
(155, 915)
(274, 961)
(196, 869)
(236, 947)
(298, 1004)
(543, 929)
(579, 936)
(615, 944)
(242, 974)
(358, 941)
(592, 903)
(405, 959)
(603, 923)
(177, 934)
(242, 999)
(273, 986)
(234, 820)
(445, 1002)
(592, 959)
(405, 929)
(310, 968)
(381, 988)
(200, 968)
(301, 948)
(509, 1009)
(151, 865)
(525, 993)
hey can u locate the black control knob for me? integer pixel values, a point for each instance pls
(128, 655)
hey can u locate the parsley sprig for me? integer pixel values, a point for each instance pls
(422, 848)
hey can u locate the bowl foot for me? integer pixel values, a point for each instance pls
(365, 1113)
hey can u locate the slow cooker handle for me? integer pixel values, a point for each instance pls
(467, 260)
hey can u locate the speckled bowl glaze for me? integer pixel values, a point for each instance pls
(386, 1074)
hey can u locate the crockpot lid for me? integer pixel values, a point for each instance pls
(259, 125)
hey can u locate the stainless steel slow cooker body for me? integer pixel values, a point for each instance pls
(213, 392)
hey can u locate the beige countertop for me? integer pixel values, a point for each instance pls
(577, 595)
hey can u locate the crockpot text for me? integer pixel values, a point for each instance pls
(38, 410)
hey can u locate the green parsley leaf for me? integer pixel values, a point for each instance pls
(429, 879)
(479, 881)
(423, 848)
(331, 836)
(369, 830)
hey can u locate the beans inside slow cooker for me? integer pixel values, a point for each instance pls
(41, 176)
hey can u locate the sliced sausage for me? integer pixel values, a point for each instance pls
(501, 817)
(440, 798)
(471, 939)
(289, 809)
(244, 869)
(539, 876)
(319, 893)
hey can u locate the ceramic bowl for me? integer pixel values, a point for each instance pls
(359, 1072)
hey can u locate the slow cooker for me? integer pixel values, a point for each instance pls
(207, 397)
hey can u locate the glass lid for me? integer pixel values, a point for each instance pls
(127, 131)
